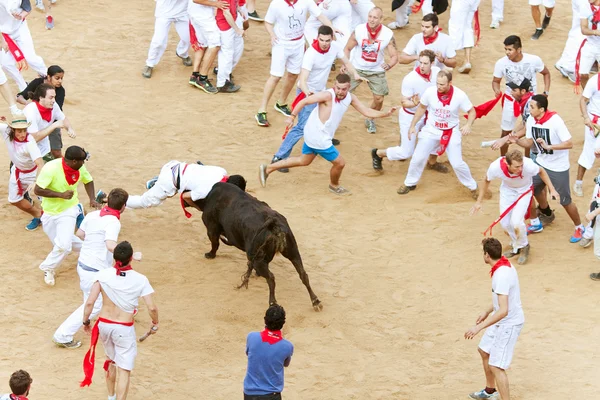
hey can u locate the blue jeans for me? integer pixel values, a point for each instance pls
(295, 133)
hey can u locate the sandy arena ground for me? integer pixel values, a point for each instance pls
(401, 278)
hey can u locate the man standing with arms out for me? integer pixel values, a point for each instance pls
(169, 12)
(515, 66)
(536, 14)
(57, 185)
(432, 39)
(121, 288)
(566, 64)
(316, 66)
(320, 129)
(441, 132)
(414, 85)
(497, 345)
(20, 384)
(226, 22)
(589, 51)
(285, 22)
(589, 103)
(516, 190)
(99, 232)
(549, 134)
(368, 44)
(268, 354)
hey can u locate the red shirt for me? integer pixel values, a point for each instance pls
(221, 21)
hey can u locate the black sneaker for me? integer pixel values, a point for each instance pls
(255, 17)
(275, 159)
(203, 84)
(376, 160)
(537, 34)
(546, 22)
(283, 108)
(229, 87)
(335, 142)
(261, 119)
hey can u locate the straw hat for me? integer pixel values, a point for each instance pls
(18, 122)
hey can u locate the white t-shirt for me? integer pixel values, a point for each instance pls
(441, 117)
(38, 123)
(199, 179)
(319, 65)
(200, 11)
(511, 71)
(586, 12)
(369, 55)
(413, 83)
(443, 44)
(23, 155)
(519, 184)
(591, 92)
(553, 131)
(506, 282)
(171, 8)
(98, 230)
(124, 290)
(576, 7)
(317, 134)
(8, 23)
(289, 21)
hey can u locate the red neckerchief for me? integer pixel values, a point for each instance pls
(518, 106)
(545, 118)
(71, 175)
(17, 397)
(120, 268)
(432, 38)
(271, 337)
(20, 141)
(106, 210)
(446, 98)
(504, 168)
(373, 34)
(426, 77)
(503, 261)
(46, 113)
(291, 2)
(596, 16)
(315, 45)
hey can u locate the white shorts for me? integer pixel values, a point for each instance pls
(546, 3)
(499, 342)
(587, 157)
(13, 187)
(3, 78)
(287, 55)
(590, 53)
(207, 32)
(508, 115)
(407, 147)
(120, 344)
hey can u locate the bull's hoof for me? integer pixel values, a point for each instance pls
(209, 255)
(317, 305)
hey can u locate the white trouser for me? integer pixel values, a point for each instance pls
(460, 25)
(569, 55)
(360, 12)
(22, 38)
(407, 146)
(514, 222)
(238, 48)
(10, 66)
(498, 10)
(427, 143)
(68, 329)
(339, 13)
(59, 229)
(158, 45)
(225, 56)
(587, 157)
(162, 189)
(427, 7)
(590, 53)
(402, 14)
(3, 78)
(597, 239)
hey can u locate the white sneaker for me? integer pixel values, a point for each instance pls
(495, 24)
(49, 277)
(578, 189)
(39, 5)
(465, 69)
(395, 25)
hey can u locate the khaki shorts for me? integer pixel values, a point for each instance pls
(377, 82)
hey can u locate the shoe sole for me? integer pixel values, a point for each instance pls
(202, 88)
(376, 159)
(262, 175)
(586, 245)
(31, 230)
(256, 19)
(63, 345)
(280, 111)
(410, 189)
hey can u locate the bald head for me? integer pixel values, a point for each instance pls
(375, 18)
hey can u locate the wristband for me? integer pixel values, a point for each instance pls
(86, 323)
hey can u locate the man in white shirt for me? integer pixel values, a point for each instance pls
(20, 384)
(414, 85)
(516, 191)
(566, 64)
(589, 51)
(503, 327)
(169, 12)
(285, 21)
(318, 134)
(589, 103)
(441, 132)
(430, 38)
(368, 44)
(549, 134)
(121, 287)
(514, 67)
(99, 232)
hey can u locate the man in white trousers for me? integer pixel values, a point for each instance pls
(589, 104)
(460, 29)
(414, 85)
(229, 32)
(589, 51)
(441, 132)
(57, 185)
(339, 13)
(169, 12)
(566, 64)
(516, 190)
(99, 232)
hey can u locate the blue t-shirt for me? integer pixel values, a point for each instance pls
(265, 365)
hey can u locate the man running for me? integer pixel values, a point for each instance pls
(460, 29)
(121, 287)
(566, 64)
(320, 129)
(589, 104)
(589, 51)
(536, 15)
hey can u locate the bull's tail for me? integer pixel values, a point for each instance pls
(270, 234)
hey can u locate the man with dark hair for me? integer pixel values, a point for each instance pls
(497, 345)
(268, 354)
(514, 67)
(99, 232)
(20, 384)
(57, 184)
(318, 134)
(121, 289)
(547, 131)
(433, 39)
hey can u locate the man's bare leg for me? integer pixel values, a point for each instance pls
(580, 172)
(8, 97)
(208, 59)
(571, 209)
(123, 384)
(537, 15)
(468, 55)
(197, 60)
(270, 86)
(29, 208)
(504, 149)
(251, 6)
(336, 171)
(501, 382)
(291, 162)
(111, 379)
(489, 375)
(288, 85)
